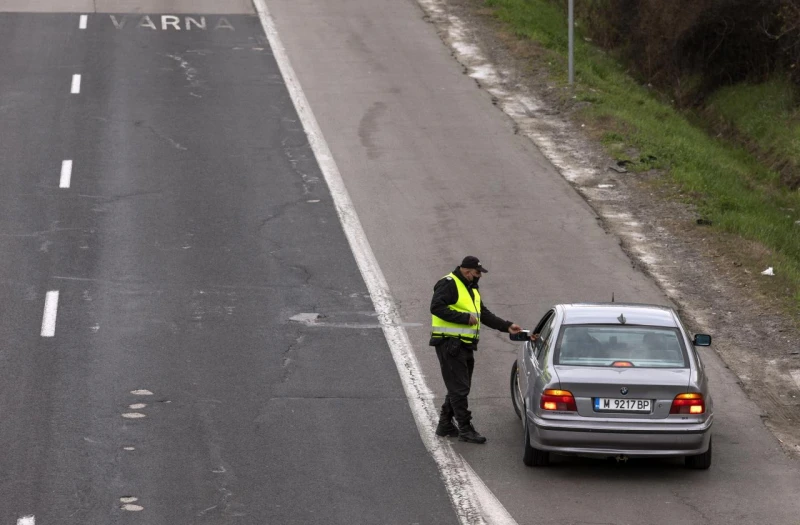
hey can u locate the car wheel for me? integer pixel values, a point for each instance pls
(533, 457)
(516, 395)
(700, 461)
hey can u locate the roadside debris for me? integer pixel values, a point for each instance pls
(619, 167)
(768, 271)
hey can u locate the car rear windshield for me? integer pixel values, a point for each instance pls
(637, 346)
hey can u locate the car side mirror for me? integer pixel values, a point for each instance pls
(522, 335)
(702, 340)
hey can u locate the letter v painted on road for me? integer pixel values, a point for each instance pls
(118, 24)
(472, 500)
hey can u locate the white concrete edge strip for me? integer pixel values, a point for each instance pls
(76, 84)
(474, 503)
(49, 316)
(27, 520)
(83, 21)
(66, 174)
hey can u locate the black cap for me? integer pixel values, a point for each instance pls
(471, 261)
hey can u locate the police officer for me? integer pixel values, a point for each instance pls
(457, 313)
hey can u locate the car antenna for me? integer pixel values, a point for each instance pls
(621, 318)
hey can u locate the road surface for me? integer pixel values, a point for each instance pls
(187, 335)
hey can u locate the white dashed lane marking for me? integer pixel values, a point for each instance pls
(83, 21)
(76, 84)
(27, 520)
(66, 174)
(128, 503)
(50, 312)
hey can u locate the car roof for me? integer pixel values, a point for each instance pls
(608, 313)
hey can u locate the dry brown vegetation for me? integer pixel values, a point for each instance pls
(688, 48)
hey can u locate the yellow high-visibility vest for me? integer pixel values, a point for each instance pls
(465, 304)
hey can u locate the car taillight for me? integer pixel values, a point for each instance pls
(558, 400)
(689, 403)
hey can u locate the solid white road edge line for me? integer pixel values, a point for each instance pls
(84, 20)
(66, 174)
(49, 316)
(76, 84)
(474, 503)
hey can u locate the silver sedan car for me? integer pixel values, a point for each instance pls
(613, 380)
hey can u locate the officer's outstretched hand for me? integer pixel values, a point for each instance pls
(514, 328)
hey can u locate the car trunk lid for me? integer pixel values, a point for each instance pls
(596, 390)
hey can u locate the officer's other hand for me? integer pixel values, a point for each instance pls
(473, 320)
(514, 328)
(534, 337)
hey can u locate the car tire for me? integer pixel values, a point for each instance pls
(515, 396)
(699, 461)
(533, 457)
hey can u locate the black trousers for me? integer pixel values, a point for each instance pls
(457, 362)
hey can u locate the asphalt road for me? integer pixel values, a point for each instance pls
(435, 172)
(196, 225)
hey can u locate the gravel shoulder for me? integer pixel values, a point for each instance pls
(712, 277)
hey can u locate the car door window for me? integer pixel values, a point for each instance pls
(543, 321)
(545, 334)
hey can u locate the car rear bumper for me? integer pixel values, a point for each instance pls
(645, 440)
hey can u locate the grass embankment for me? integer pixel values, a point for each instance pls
(737, 192)
(766, 117)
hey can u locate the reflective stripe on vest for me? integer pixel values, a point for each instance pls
(464, 304)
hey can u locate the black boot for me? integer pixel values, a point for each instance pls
(470, 435)
(446, 428)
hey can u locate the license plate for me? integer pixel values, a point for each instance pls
(605, 404)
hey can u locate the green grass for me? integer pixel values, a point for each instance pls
(724, 179)
(766, 115)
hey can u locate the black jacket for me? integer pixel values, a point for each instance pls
(445, 293)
